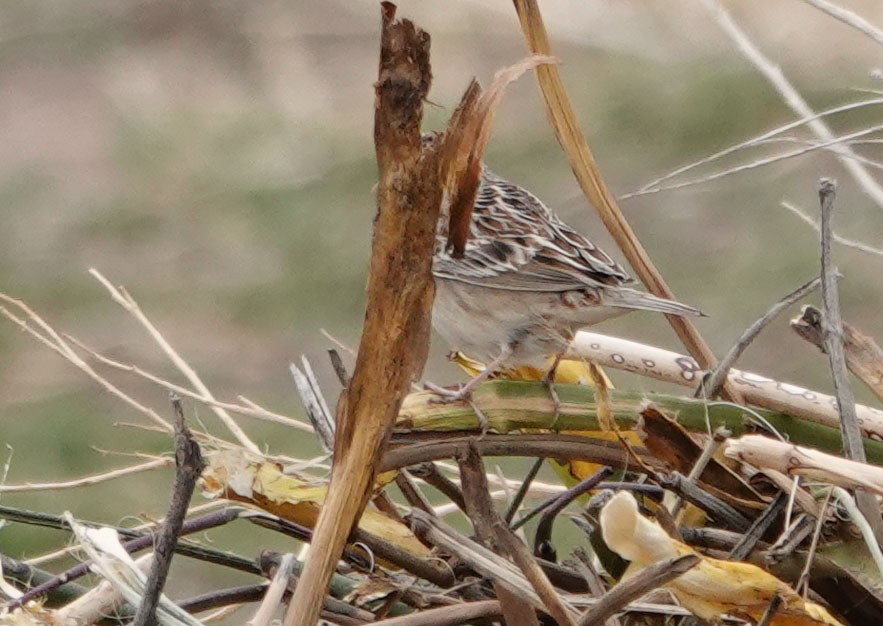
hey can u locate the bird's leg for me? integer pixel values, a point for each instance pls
(549, 383)
(464, 393)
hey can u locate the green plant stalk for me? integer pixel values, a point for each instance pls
(517, 405)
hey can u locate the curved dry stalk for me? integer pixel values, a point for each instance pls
(681, 369)
(834, 144)
(57, 344)
(88, 481)
(251, 410)
(849, 18)
(70, 549)
(122, 297)
(792, 98)
(850, 243)
(274, 593)
(759, 139)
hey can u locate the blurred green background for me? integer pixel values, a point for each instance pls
(216, 158)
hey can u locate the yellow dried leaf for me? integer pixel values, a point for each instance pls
(714, 587)
(236, 476)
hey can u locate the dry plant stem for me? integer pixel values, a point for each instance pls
(571, 137)
(597, 586)
(378, 547)
(224, 597)
(849, 243)
(629, 590)
(833, 333)
(710, 386)
(711, 447)
(809, 147)
(87, 481)
(864, 357)
(767, 618)
(140, 541)
(543, 533)
(274, 592)
(523, 488)
(555, 504)
(562, 612)
(343, 377)
(125, 300)
(314, 404)
(758, 528)
(483, 561)
(792, 97)
(559, 446)
(453, 615)
(98, 603)
(251, 410)
(189, 464)
(412, 492)
(803, 581)
(653, 186)
(683, 370)
(717, 509)
(848, 17)
(54, 342)
(24, 575)
(481, 512)
(429, 473)
(395, 336)
(763, 452)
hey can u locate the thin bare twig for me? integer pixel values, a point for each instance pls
(274, 593)
(480, 509)
(711, 385)
(626, 591)
(758, 528)
(139, 541)
(125, 300)
(543, 533)
(773, 73)
(767, 617)
(653, 186)
(849, 426)
(57, 344)
(849, 243)
(251, 410)
(523, 488)
(314, 403)
(849, 18)
(803, 581)
(189, 464)
(835, 145)
(88, 481)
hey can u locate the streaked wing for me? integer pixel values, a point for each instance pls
(517, 243)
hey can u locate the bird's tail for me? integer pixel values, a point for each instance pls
(634, 299)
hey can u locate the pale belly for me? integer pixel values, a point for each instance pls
(480, 322)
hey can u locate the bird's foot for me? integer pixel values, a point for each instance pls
(549, 384)
(462, 394)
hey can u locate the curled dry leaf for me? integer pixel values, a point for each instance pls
(464, 144)
(238, 476)
(714, 587)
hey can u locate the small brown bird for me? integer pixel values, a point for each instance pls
(526, 283)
